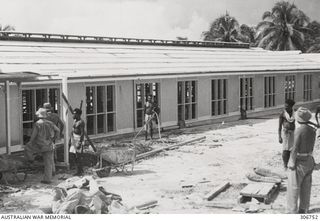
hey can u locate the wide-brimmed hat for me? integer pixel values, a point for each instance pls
(47, 106)
(42, 113)
(303, 115)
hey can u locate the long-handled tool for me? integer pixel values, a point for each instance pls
(142, 128)
(85, 132)
(159, 129)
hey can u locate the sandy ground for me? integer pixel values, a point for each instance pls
(228, 153)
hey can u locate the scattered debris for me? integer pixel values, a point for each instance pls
(187, 186)
(221, 205)
(8, 189)
(210, 196)
(205, 181)
(147, 205)
(11, 164)
(253, 206)
(83, 196)
(215, 146)
(153, 152)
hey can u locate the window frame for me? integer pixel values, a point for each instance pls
(190, 103)
(247, 98)
(105, 112)
(307, 87)
(269, 93)
(223, 101)
(290, 93)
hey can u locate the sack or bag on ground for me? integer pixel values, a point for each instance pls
(268, 173)
(68, 205)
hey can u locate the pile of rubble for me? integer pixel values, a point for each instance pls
(85, 196)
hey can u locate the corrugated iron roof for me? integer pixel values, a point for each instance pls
(83, 60)
(312, 57)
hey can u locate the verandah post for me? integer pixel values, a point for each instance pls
(65, 114)
(7, 116)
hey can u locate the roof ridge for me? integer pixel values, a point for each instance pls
(47, 37)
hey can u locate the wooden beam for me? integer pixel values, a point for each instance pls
(172, 147)
(210, 196)
(65, 115)
(7, 116)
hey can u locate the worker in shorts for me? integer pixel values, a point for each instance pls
(286, 130)
(148, 117)
(301, 164)
(150, 111)
(76, 140)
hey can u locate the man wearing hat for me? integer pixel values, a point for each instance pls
(53, 117)
(301, 164)
(41, 141)
(76, 140)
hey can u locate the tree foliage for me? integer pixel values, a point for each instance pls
(7, 28)
(283, 28)
(226, 28)
(312, 42)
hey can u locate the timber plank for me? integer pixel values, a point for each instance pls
(266, 189)
(250, 189)
(217, 191)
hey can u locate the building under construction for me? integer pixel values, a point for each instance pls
(193, 82)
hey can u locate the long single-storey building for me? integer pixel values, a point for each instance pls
(193, 82)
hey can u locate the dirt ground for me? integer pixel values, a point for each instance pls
(180, 179)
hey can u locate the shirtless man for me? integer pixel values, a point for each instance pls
(150, 109)
(286, 130)
(77, 136)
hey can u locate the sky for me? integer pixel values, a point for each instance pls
(160, 19)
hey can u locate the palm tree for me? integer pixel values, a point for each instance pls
(248, 32)
(312, 43)
(282, 28)
(7, 28)
(315, 47)
(224, 28)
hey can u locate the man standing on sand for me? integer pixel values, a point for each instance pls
(41, 141)
(55, 119)
(301, 164)
(286, 130)
(150, 108)
(76, 140)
